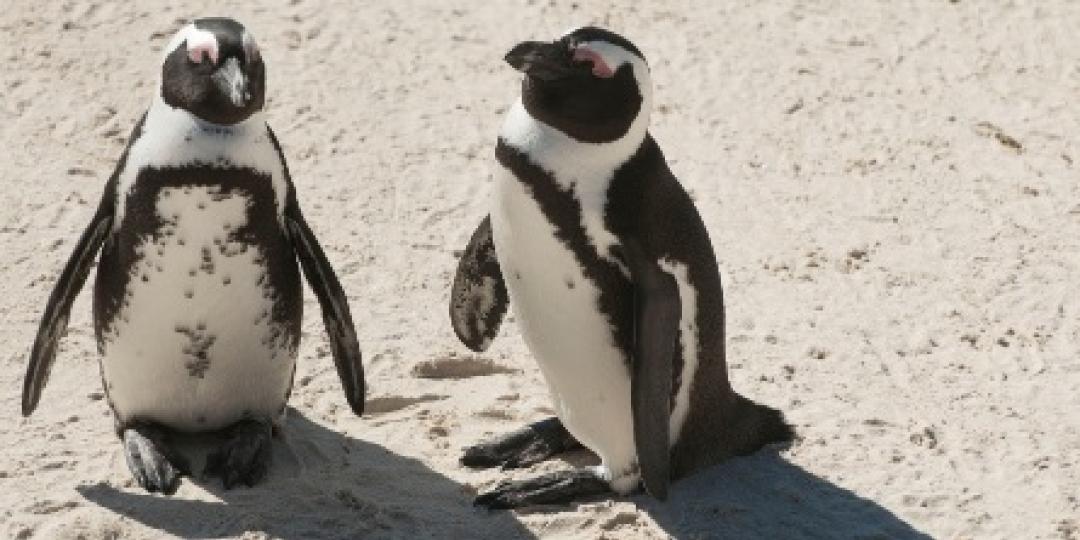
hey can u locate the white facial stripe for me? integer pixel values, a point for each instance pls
(615, 56)
(251, 49)
(177, 40)
(201, 43)
(198, 42)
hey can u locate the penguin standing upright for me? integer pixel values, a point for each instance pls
(197, 300)
(614, 282)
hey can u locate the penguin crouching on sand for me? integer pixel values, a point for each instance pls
(614, 284)
(198, 300)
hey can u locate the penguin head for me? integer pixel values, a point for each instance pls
(212, 68)
(591, 83)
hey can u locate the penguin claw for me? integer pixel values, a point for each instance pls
(148, 464)
(560, 487)
(244, 458)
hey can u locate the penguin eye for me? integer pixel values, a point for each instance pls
(600, 68)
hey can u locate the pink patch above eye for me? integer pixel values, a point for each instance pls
(200, 44)
(599, 66)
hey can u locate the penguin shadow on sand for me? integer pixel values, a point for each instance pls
(765, 496)
(321, 484)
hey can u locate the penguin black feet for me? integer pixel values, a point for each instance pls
(153, 463)
(527, 446)
(561, 487)
(245, 456)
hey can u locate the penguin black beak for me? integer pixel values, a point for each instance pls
(232, 83)
(542, 60)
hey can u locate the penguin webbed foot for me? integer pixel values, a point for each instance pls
(518, 449)
(244, 457)
(560, 487)
(153, 463)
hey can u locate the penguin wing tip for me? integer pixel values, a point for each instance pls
(356, 405)
(29, 401)
(479, 346)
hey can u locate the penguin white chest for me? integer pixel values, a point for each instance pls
(557, 308)
(194, 345)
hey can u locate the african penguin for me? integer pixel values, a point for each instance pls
(614, 282)
(197, 301)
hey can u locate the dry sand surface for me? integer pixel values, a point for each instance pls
(891, 188)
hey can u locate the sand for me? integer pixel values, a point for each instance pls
(891, 189)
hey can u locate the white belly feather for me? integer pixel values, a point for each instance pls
(573, 343)
(195, 348)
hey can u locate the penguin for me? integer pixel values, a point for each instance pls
(614, 283)
(197, 300)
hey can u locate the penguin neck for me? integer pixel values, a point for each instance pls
(578, 166)
(165, 117)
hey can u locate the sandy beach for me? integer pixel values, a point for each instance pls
(891, 189)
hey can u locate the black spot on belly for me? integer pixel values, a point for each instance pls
(570, 283)
(197, 349)
(189, 293)
(226, 280)
(207, 263)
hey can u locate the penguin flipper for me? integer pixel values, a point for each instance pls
(55, 319)
(335, 306)
(657, 308)
(479, 299)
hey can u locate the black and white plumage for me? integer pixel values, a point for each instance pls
(613, 280)
(197, 299)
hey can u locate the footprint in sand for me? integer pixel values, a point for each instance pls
(388, 404)
(459, 368)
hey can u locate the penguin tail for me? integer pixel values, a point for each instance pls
(761, 425)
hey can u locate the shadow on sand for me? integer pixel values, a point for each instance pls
(322, 484)
(764, 496)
